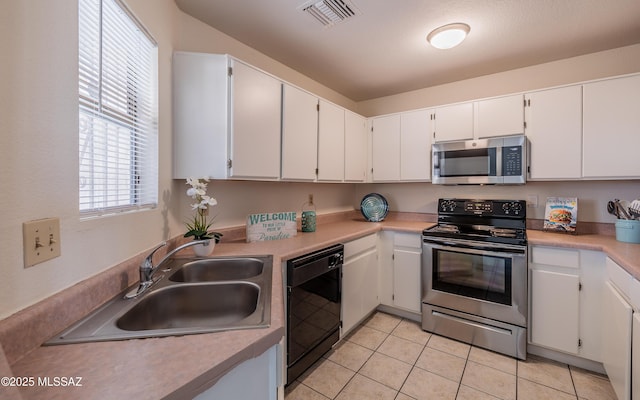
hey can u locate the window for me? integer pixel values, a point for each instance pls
(117, 110)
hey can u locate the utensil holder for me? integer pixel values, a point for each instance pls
(628, 231)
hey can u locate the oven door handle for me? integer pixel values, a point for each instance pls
(473, 249)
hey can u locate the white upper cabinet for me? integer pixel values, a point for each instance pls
(401, 146)
(331, 142)
(554, 130)
(501, 116)
(385, 145)
(226, 118)
(355, 147)
(255, 140)
(299, 134)
(416, 129)
(454, 122)
(611, 131)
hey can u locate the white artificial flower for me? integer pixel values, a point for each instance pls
(208, 201)
(192, 181)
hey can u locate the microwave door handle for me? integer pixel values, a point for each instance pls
(498, 160)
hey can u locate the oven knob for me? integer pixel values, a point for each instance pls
(451, 205)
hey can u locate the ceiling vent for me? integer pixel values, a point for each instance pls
(330, 12)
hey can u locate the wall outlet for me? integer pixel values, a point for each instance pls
(532, 201)
(41, 240)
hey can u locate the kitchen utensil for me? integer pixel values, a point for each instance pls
(611, 208)
(622, 211)
(634, 208)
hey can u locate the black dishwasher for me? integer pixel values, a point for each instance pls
(313, 307)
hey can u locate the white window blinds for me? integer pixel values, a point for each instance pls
(118, 110)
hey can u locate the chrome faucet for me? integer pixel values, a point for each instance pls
(147, 269)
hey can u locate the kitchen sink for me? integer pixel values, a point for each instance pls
(218, 269)
(192, 295)
(186, 306)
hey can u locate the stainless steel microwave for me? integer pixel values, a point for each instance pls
(497, 161)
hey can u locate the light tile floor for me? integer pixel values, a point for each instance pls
(388, 357)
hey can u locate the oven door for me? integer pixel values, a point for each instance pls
(484, 279)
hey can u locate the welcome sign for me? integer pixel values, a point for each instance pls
(271, 226)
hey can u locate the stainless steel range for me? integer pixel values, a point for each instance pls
(474, 274)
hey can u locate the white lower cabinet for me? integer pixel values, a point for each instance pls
(617, 331)
(635, 357)
(359, 281)
(263, 373)
(407, 253)
(565, 291)
(400, 260)
(554, 310)
(616, 346)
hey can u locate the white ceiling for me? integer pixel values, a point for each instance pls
(383, 51)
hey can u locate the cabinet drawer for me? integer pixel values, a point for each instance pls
(357, 246)
(413, 240)
(619, 277)
(567, 258)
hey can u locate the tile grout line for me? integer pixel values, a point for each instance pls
(374, 351)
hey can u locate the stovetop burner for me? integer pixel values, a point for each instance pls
(498, 221)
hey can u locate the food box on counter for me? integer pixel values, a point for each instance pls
(561, 214)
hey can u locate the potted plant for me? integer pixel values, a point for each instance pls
(199, 226)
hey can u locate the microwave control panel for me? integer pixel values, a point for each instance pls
(512, 160)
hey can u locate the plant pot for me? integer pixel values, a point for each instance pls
(204, 251)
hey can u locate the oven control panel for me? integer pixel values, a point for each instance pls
(485, 208)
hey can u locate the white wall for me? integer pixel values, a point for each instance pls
(592, 195)
(624, 60)
(39, 148)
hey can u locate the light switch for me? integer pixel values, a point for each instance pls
(41, 240)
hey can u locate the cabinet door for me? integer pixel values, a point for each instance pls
(255, 123)
(592, 278)
(415, 145)
(635, 357)
(385, 267)
(454, 122)
(501, 116)
(355, 147)
(200, 110)
(616, 344)
(406, 279)
(331, 128)
(554, 130)
(351, 278)
(359, 284)
(299, 134)
(386, 148)
(554, 310)
(610, 132)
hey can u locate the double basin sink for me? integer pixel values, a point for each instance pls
(191, 296)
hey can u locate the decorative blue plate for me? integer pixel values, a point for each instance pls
(374, 207)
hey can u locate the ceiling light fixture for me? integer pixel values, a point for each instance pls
(448, 36)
